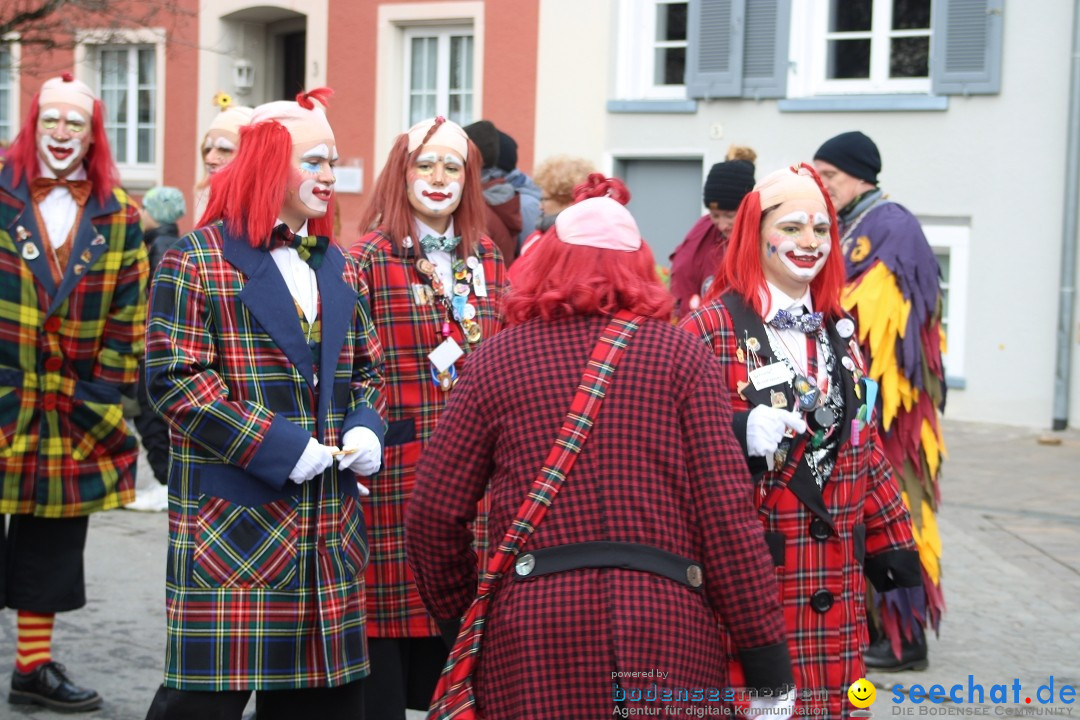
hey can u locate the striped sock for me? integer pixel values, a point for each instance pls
(34, 641)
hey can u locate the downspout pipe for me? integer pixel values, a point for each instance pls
(1067, 292)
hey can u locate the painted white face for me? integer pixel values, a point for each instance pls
(311, 179)
(795, 242)
(63, 137)
(218, 149)
(434, 183)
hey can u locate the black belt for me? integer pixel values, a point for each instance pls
(624, 555)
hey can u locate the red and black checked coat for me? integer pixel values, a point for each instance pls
(65, 354)
(408, 332)
(820, 539)
(660, 468)
(264, 581)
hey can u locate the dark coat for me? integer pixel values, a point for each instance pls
(660, 468)
(158, 240)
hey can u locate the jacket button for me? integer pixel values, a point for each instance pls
(48, 401)
(821, 601)
(52, 324)
(820, 530)
(53, 363)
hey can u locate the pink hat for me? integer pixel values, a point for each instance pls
(448, 134)
(66, 89)
(305, 119)
(599, 222)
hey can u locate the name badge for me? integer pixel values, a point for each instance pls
(446, 354)
(768, 375)
(478, 281)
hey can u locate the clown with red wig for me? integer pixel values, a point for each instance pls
(437, 284)
(804, 413)
(73, 273)
(651, 542)
(262, 357)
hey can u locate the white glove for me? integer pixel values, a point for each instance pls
(765, 428)
(781, 707)
(314, 460)
(367, 459)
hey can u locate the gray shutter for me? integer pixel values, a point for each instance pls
(715, 49)
(765, 48)
(965, 52)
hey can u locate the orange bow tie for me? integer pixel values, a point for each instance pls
(42, 186)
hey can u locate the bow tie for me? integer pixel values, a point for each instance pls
(42, 186)
(807, 322)
(446, 244)
(310, 248)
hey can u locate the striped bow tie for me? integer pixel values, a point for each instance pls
(807, 322)
(310, 248)
(446, 244)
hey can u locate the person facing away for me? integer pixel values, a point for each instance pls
(503, 203)
(262, 357)
(893, 290)
(660, 476)
(695, 259)
(528, 191)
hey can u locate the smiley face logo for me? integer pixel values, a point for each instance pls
(862, 693)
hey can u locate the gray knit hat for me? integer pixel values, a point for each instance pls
(164, 204)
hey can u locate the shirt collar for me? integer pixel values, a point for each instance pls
(423, 229)
(779, 300)
(302, 232)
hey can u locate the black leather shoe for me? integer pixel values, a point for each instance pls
(48, 685)
(879, 656)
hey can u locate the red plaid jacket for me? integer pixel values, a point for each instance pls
(820, 539)
(408, 332)
(660, 468)
(65, 353)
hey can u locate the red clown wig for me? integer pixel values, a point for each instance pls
(388, 208)
(560, 280)
(100, 168)
(741, 269)
(249, 193)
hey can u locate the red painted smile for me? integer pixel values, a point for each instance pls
(803, 261)
(437, 196)
(323, 194)
(61, 153)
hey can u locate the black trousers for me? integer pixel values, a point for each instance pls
(153, 432)
(41, 563)
(338, 703)
(404, 672)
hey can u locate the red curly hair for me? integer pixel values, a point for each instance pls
(388, 208)
(741, 269)
(100, 168)
(249, 192)
(560, 280)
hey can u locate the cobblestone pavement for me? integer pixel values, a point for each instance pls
(1010, 527)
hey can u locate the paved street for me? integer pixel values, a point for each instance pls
(1010, 528)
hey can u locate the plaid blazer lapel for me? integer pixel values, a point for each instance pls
(337, 303)
(14, 206)
(851, 403)
(267, 298)
(86, 247)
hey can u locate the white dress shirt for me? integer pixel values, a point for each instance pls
(298, 276)
(440, 258)
(791, 343)
(58, 209)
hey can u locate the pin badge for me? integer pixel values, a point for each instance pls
(461, 289)
(85, 257)
(78, 269)
(425, 267)
(752, 344)
(99, 240)
(473, 332)
(22, 232)
(30, 251)
(845, 328)
(848, 363)
(472, 262)
(406, 243)
(469, 312)
(421, 294)
(740, 355)
(777, 399)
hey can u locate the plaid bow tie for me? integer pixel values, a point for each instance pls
(446, 244)
(807, 322)
(40, 188)
(310, 248)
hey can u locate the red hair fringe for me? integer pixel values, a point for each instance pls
(388, 208)
(741, 269)
(101, 170)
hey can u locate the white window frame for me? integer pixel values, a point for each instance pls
(443, 35)
(635, 70)
(14, 56)
(134, 176)
(953, 240)
(809, 54)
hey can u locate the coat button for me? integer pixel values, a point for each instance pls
(821, 601)
(820, 530)
(693, 576)
(48, 401)
(524, 565)
(52, 324)
(53, 363)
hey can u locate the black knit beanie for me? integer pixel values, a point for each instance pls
(727, 184)
(507, 153)
(854, 153)
(486, 137)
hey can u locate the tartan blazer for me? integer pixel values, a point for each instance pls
(264, 582)
(408, 332)
(660, 468)
(822, 540)
(65, 355)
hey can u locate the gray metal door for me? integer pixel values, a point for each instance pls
(665, 198)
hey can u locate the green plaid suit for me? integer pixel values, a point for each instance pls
(264, 584)
(65, 353)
